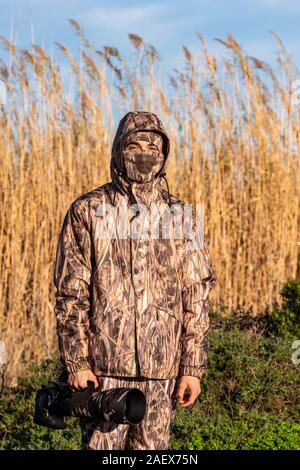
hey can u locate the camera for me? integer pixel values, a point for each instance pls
(117, 405)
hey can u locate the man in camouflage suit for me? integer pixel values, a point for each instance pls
(133, 311)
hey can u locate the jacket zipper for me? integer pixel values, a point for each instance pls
(138, 368)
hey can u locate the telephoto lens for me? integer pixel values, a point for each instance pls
(119, 405)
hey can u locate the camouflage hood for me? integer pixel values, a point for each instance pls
(131, 123)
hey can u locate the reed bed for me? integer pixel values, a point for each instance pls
(233, 121)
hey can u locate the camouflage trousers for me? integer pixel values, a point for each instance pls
(153, 432)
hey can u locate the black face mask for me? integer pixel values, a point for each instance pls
(142, 167)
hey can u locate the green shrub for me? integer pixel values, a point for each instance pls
(263, 432)
(285, 321)
(250, 396)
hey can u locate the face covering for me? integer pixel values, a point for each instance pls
(141, 166)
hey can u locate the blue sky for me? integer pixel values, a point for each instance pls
(166, 24)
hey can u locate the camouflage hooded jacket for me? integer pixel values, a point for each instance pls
(136, 305)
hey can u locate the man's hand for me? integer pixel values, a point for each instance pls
(78, 380)
(193, 384)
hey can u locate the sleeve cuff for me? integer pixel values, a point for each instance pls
(81, 364)
(191, 370)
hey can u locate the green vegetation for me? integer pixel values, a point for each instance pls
(249, 400)
(285, 321)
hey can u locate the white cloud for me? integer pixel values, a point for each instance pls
(283, 5)
(114, 17)
(124, 16)
(153, 16)
(166, 25)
